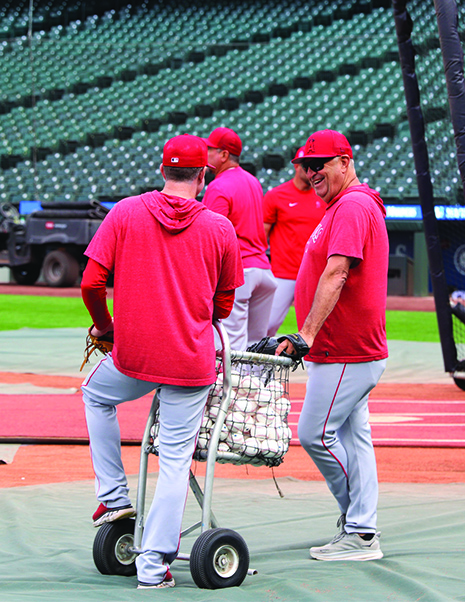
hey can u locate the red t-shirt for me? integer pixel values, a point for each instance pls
(238, 195)
(169, 257)
(294, 214)
(355, 331)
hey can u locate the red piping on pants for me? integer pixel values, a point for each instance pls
(326, 422)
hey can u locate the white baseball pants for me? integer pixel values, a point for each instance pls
(248, 321)
(334, 430)
(181, 411)
(282, 301)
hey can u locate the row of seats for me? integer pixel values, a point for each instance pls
(366, 102)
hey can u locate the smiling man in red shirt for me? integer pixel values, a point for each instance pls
(340, 300)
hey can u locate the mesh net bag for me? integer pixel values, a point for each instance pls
(255, 429)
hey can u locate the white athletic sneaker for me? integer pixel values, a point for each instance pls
(349, 546)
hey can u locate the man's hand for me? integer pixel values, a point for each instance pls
(293, 345)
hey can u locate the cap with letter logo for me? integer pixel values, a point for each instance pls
(185, 151)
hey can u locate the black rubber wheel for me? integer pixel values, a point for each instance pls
(460, 382)
(26, 274)
(60, 269)
(111, 554)
(219, 559)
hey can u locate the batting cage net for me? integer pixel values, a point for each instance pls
(430, 36)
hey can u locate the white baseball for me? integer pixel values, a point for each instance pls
(235, 421)
(224, 433)
(263, 397)
(252, 447)
(288, 435)
(259, 431)
(283, 406)
(247, 406)
(269, 448)
(207, 422)
(223, 447)
(249, 387)
(235, 380)
(276, 388)
(236, 441)
(215, 400)
(265, 415)
(213, 412)
(202, 442)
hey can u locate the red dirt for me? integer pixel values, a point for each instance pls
(39, 464)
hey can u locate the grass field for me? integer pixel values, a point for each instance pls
(18, 311)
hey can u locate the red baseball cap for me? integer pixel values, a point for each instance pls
(225, 139)
(325, 143)
(299, 154)
(185, 151)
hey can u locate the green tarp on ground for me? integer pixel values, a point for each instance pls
(47, 540)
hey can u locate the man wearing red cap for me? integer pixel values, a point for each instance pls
(340, 300)
(291, 211)
(163, 338)
(238, 195)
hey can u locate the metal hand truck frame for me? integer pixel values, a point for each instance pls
(219, 557)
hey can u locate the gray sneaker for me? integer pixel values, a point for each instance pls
(348, 546)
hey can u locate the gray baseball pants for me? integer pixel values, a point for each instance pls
(334, 430)
(282, 301)
(181, 411)
(248, 321)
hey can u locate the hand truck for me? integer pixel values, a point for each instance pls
(245, 422)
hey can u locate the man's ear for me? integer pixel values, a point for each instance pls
(345, 160)
(162, 171)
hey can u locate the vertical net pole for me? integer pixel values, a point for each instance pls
(404, 26)
(452, 56)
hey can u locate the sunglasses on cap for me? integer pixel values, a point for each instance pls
(315, 164)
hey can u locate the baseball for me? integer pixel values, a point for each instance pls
(249, 387)
(202, 442)
(213, 412)
(223, 447)
(207, 423)
(215, 400)
(224, 433)
(283, 407)
(263, 397)
(235, 380)
(276, 389)
(247, 406)
(258, 431)
(236, 421)
(252, 447)
(236, 441)
(265, 415)
(269, 448)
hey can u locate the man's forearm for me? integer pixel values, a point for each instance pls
(326, 297)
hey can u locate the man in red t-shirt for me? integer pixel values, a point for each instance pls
(238, 195)
(291, 212)
(340, 300)
(176, 265)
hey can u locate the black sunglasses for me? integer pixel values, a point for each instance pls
(316, 164)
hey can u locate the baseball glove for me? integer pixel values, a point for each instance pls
(268, 345)
(104, 344)
(299, 344)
